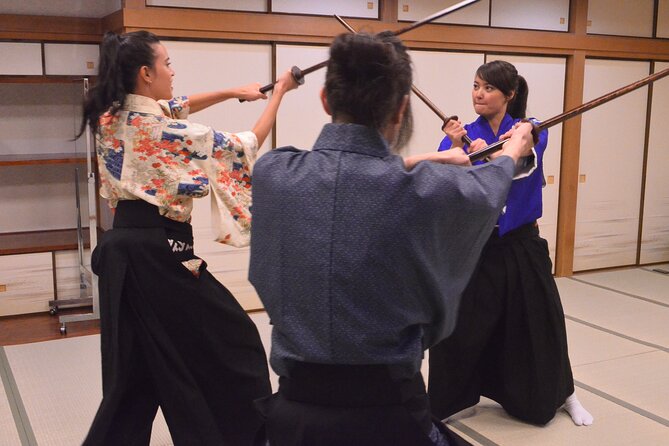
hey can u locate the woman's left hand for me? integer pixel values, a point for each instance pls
(250, 92)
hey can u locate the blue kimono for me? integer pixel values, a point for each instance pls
(523, 204)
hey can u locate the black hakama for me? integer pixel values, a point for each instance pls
(510, 342)
(171, 339)
(352, 405)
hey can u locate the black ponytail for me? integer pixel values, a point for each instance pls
(504, 76)
(518, 105)
(121, 57)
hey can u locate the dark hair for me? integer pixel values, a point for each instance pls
(505, 77)
(121, 57)
(367, 79)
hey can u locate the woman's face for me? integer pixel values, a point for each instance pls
(161, 74)
(487, 99)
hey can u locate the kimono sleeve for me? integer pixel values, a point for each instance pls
(232, 160)
(176, 108)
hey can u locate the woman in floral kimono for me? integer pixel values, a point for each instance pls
(172, 335)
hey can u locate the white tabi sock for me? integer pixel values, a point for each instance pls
(577, 412)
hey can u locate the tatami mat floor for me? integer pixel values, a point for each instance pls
(618, 327)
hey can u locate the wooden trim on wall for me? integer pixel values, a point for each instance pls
(569, 167)
(49, 28)
(264, 27)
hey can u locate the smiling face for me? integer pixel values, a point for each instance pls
(161, 74)
(488, 100)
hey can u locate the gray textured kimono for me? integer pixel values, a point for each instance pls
(356, 259)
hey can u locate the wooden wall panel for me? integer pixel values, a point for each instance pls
(546, 79)
(611, 164)
(413, 10)
(37, 198)
(28, 280)
(655, 232)
(621, 18)
(548, 15)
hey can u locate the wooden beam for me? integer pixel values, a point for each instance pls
(49, 28)
(569, 167)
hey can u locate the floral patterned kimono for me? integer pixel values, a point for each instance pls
(171, 334)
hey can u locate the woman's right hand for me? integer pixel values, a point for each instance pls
(285, 82)
(455, 131)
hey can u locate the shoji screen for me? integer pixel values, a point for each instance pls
(621, 18)
(611, 158)
(655, 233)
(545, 77)
(202, 67)
(537, 14)
(476, 14)
(347, 8)
(445, 78)
(301, 115)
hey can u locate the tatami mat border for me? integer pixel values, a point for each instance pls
(646, 299)
(623, 403)
(474, 435)
(23, 427)
(615, 333)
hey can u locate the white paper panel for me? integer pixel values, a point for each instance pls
(545, 77)
(202, 67)
(348, 8)
(301, 116)
(550, 15)
(621, 18)
(663, 19)
(20, 58)
(29, 283)
(655, 232)
(446, 79)
(71, 59)
(475, 14)
(611, 158)
(232, 5)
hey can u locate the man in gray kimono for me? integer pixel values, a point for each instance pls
(360, 257)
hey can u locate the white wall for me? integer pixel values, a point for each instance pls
(301, 115)
(446, 79)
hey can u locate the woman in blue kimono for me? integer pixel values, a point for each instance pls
(510, 342)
